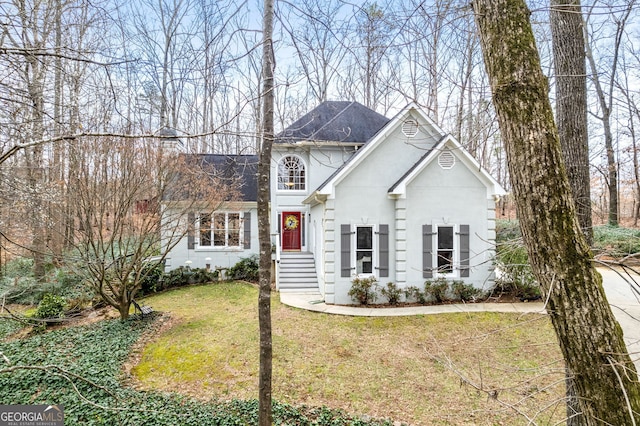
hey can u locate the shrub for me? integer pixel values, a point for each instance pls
(615, 241)
(246, 269)
(437, 289)
(363, 290)
(175, 278)
(512, 263)
(183, 276)
(392, 293)
(21, 290)
(414, 293)
(150, 277)
(465, 292)
(19, 267)
(507, 230)
(51, 306)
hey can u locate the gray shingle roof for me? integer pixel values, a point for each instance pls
(241, 170)
(336, 121)
(238, 173)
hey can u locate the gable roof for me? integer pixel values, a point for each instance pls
(327, 187)
(493, 187)
(335, 121)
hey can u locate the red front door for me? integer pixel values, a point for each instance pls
(291, 225)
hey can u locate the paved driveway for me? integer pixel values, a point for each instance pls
(624, 297)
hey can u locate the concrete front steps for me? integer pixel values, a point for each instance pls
(297, 273)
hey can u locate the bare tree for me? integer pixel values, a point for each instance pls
(590, 338)
(132, 201)
(605, 98)
(264, 225)
(317, 40)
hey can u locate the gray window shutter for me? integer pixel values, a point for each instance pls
(383, 248)
(427, 251)
(191, 225)
(345, 250)
(464, 250)
(247, 230)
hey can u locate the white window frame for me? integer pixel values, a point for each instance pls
(226, 245)
(374, 249)
(455, 258)
(282, 181)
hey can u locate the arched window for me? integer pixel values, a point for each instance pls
(291, 174)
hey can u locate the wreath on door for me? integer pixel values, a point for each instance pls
(291, 222)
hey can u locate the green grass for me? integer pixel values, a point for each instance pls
(404, 368)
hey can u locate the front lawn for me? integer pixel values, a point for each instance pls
(82, 369)
(425, 370)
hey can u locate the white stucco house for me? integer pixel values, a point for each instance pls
(357, 194)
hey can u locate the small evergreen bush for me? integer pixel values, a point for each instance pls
(392, 293)
(465, 292)
(150, 278)
(363, 290)
(246, 269)
(414, 293)
(437, 289)
(51, 307)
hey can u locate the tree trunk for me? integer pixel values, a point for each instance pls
(264, 227)
(571, 103)
(591, 340)
(571, 117)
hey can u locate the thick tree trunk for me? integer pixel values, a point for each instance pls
(264, 228)
(571, 103)
(591, 340)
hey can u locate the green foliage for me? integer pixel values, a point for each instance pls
(615, 241)
(414, 293)
(437, 289)
(22, 290)
(96, 353)
(19, 286)
(20, 267)
(183, 276)
(514, 274)
(202, 276)
(150, 277)
(392, 293)
(465, 292)
(507, 230)
(51, 306)
(363, 290)
(246, 269)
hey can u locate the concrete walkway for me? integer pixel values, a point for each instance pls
(314, 302)
(623, 294)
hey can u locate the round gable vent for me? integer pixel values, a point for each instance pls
(410, 128)
(446, 160)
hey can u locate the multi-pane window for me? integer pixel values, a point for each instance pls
(205, 229)
(445, 249)
(291, 174)
(364, 250)
(220, 229)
